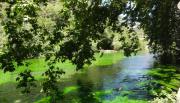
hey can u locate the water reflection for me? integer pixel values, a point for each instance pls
(122, 78)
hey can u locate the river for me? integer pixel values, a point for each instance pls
(123, 78)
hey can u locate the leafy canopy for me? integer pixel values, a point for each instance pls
(77, 26)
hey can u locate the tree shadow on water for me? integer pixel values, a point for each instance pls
(86, 92)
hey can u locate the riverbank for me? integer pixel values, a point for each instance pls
(38, 66)
(98, 82)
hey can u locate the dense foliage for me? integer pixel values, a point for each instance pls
(73, 30)
(76, 25)
(160, 20)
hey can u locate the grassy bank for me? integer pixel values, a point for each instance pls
(38, 66)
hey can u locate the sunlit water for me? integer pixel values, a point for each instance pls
(121, 78)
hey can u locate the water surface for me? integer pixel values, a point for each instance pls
(123, 78)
